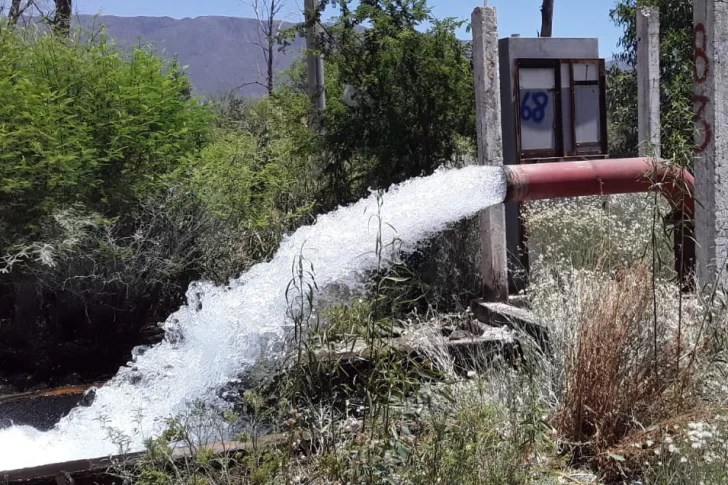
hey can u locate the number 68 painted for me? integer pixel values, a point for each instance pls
(536, 113)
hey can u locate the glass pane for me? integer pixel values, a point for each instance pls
(566, 117)
(588, 127)
(537, 108)
(536, 78)
(586, 72)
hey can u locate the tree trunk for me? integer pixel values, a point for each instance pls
(62, 20)
(14, 12)
(271, 51)
(315, 66)
(17, 9)
(547, 18)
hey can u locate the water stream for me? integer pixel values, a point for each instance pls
(221, 330)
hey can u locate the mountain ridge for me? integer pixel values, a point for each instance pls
(219, 51)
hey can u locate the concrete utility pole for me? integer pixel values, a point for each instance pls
(490, 150)
(648, 80)
(315, 65)
(710, 104)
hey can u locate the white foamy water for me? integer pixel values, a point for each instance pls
(208, 347)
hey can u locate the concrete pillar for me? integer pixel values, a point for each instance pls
(710, 104)
(494, 267)
(315, 67)
(648, 80)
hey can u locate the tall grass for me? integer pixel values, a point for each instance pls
(633, 376)
(614, 385)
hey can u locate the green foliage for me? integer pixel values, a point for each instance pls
(117, 189)
(84, 123)
(153, 477)
(87, 126)
(676, 77)
(347, 322)
(414, 89)
(469, 440)
(448, 434)
(255, 177)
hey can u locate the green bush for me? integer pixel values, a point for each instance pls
(82, 122)
(253, 174)
(676, 80)
(117, 189)
(416, 101)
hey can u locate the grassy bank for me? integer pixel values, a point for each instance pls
(119, 185)
(631, 390)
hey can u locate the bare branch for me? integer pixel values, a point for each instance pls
(252, 83)
(266, 12)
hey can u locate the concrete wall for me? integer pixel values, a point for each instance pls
(510, 49)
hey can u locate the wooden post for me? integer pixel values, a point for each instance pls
(710, 104)
(648, 80)
(314, 65)
(494, 266)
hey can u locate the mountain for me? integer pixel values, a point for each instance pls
(220, 52)
(622, 66)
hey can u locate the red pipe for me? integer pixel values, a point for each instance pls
(614, 176)
(601, 177)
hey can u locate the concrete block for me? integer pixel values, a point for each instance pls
(710, 103)
(648, 80)
(494, 266)
(504, 315)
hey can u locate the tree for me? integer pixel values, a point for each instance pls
(62, 19)
(56, 13)
(17, 9)
(547, 18)
(415, 90)
(85, 124)
(267, 11)
(676, 78)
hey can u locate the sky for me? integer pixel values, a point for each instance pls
(572, 18)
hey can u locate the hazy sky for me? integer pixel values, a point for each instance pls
(572, 18)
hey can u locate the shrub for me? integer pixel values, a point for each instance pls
(90, 288)
(414, 88)
(626, 369)
(117, 189)
(600, 233)
(85, 123)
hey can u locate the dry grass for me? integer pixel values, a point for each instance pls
(622, 372)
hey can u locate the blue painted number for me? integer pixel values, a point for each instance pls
(536, 113)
